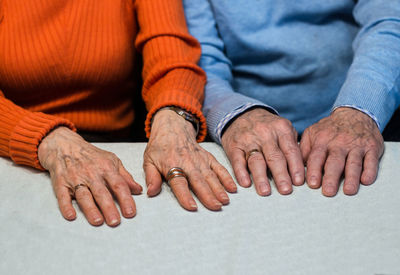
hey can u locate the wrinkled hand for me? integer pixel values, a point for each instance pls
(173, 144)
(276, 141)
(347, 141)
(90, 175)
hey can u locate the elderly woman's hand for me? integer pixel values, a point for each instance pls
(173, 144)
(90, 175)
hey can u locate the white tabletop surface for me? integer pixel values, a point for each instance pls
(303, 233)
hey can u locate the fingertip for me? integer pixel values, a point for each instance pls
(285, 189)
(223, 198)
(264, 193)
(244, 181)
(129, 212)
(137, 189)
(350, 190)
(329, 191)
(298, 179)
(114, 222)
(313, 182)
(69, 215)
(153, 190)
(367, 179)
(97, 221)
(231, 187)
(189, 204)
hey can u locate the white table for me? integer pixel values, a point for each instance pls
(303, 233)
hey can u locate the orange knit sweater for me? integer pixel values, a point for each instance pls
(70, 62)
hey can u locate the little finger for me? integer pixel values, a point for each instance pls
(239, 166)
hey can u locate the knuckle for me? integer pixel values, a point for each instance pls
(284, 124)
(292, 150)
(209, 175)
(101, 192)
(274, 157)
(256, 158)
(356, 163)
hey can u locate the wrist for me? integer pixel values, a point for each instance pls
(48, 143)
(168, 120)
(184, 115)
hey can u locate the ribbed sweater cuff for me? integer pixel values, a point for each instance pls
(370, 96)
(181, 100)
(27, 135)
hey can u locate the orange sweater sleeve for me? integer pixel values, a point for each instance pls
(21, 132)
(170, 55)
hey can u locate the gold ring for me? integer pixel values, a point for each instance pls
(76, 187)
(175, 172)
(251, 152)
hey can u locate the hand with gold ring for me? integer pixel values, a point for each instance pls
(92, 176)
(172, 153)
(258, 141)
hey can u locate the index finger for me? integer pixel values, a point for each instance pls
(239, 165)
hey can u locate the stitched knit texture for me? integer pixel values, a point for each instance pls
(71, 63)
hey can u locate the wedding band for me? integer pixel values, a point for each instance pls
(175, 172)
(251, 152)
(76, 187)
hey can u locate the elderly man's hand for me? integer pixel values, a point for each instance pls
(259, 140)
(91, 175)
(173, 144)
(347, 141)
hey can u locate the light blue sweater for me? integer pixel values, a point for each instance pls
(301, 58)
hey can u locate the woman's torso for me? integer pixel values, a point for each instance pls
(73, 58)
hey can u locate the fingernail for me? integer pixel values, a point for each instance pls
(349, 189)
(114, 221)
(70, 215)
(330, 190)
(98, 220)
(129, 211)
(285, 189)
(245, 182)
(217, 204)
(298, 178)
(224, 196)
(313, 182)
(264, 190)
(192, 204)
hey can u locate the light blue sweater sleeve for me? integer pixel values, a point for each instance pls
(221, 102)
(373, 81)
